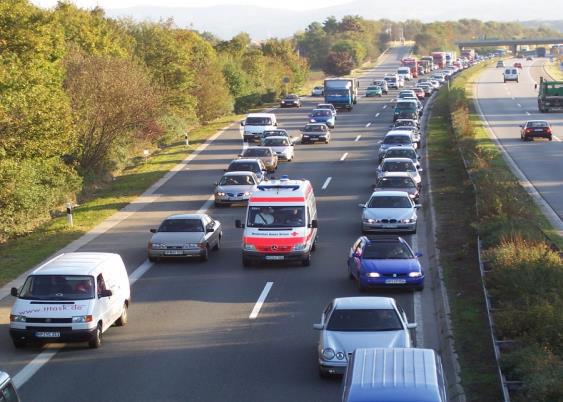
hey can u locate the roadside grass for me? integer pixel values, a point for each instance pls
(554, 71)
(20, 254)
(454, 202)
(316, 78)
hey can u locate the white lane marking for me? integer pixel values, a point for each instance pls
(519, 105)
(358, 138)
(327, 181)
(33, 366)
(140, 271)
(556, 138)
(417, 308)
(260, 301)
(513, 98)
(528, 113)
(344, 156)
(206, 205)
(384, 106)
(369, 124)
(377, 114)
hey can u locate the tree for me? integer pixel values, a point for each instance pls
(339, 63)
(353, 48)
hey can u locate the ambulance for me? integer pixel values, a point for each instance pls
(281, 222)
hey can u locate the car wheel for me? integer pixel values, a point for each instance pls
(218, 245)
(152, 259)
(123, 318)
(307, 260)
(205, 254)
(96, 340)
(550, 138)
(19, 343)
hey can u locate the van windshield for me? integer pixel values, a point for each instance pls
(58, 287)
(276, 216)
(258, 121)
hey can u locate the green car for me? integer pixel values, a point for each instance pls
(374, 91)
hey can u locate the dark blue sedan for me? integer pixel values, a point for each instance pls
(322, 116)
(384, 261)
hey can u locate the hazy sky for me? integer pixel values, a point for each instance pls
(288, 4)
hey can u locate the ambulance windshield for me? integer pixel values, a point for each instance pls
(276, 216)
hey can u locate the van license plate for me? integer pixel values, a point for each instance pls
(47, 334)
(274, 257)
(173, 252)
(395, 281)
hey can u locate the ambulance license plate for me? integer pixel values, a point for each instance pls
(48, 334)
(274, 257)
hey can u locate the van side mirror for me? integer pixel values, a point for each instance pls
(14, 292)
(411, 325)
(105, 293)
(242, 123)
(239, 224)
(314, 224)
(153, 230)
(318, 326)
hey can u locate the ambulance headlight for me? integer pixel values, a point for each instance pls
(300, 247)
(17, 318)
(249, 247)
(81, 319)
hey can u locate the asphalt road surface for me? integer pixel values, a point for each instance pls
(506, 106)
(189, 336)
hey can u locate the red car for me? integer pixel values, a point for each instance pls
(518, 65)
(535, 128)
(419, 92)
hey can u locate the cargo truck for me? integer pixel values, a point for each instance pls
(540, 52)
(411, 63)
(550, 95)
(427, 63)
(468, 54)
(450, 58)
(342, 93)
(439, 59)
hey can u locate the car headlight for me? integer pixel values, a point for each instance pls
(17, 318)
(340, 356)
(415, 274)
(193, 245)
(220, 194)
(158, 246)
(328, 354)
(368, 220)
(408, 220)
(249, 247)
(311, 120)
(305, 136)
(412, 195)
(373, 274)
(300, 247)
(246, 193)
(81, 319)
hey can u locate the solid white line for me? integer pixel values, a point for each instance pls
(344, 156)
(417, 307)
(519, 105)
(206, 205)
(556, 138)
(31, 368)
(377, 114)
(384, 106)
(358, 138)
(139, 271)
(260, 301)
(369, 124)
(528, 113)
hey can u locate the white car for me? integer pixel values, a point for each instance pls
(318, 91)
(282, 146)
(389, 211)
(400, 165)
(349, 323)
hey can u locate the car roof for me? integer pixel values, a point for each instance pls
(364, 302)
(396, 174)
(390, 193)
(409, 147)
(316, 124)
(186, 216)
(245, 160)
(537, 121)
(275, 137)
(398, 160)
(77, 263)
(239, 172)
(324, 104)
(260, 115)
(397, 132)
(319, 110)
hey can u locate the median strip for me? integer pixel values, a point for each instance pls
(254, 314)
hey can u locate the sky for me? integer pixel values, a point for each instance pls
(106, 4)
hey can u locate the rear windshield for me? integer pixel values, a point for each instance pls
(258, 121)
(537, 124)
(390, 201)
(276, 142)
(58, 287)
(397, 139)
(257, 152)
(244, 167)
(364, 320)
(181, 225)
(395, 182)
(393, 166)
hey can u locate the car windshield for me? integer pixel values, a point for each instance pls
(243, 180)
(389, 201)
(257, 152)
(278, 133)
(58, 287)
(312, 128)
(181, 225)
(401, 153)
(374, 88)
(364, 320)
(322, 112)
(387, 251)
(395, 182)
(405, 105)
(276, 216)
(244, 167)
(276, 142)
(397, 139)
(291, 97)
(394, 166)
(258, 121)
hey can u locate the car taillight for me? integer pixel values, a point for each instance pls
(528, 130)
(548, 130)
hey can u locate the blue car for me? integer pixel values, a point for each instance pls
(322, 116)
(384, 261)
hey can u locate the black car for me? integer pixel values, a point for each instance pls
(290, 100)
(535, 128)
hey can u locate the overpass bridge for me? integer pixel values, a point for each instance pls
(512, 43)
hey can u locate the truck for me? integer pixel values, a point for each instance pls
(342, 93)
(411, 63)
(550, 95)
(450, 58)
(439, 59)
(428, 63)
(540, 52)
(468, 54)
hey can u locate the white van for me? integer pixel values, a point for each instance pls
(7, 390)
(73, 297)
(281, 222)
(405, 72)
(256, 123)
(510, 74)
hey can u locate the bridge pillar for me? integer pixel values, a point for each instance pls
(514, 49)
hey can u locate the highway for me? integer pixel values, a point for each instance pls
(505, 107)
(190, 336)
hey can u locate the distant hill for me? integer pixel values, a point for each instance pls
(264, 22)
(555, 24)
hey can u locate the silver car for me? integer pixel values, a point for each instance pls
(403, 152)
(185, 235)
(396, 139)
(349, 323)
(400, 165)
(389, 211)
(398, 181)
(282, 146)
(235, 188)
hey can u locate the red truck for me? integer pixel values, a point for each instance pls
(411, 63)
(439, 59)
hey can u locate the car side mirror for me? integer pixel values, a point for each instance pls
(105, 293)
(362, 205)
(153, 230)
(418, 206)
(418, 254)
(411, 325)
(242, 123)
(314, 224)
(210, 230)
(239, 224)
(14, 292)
(420, 169)
(318, 326)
